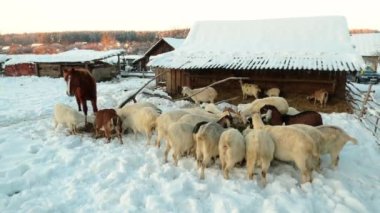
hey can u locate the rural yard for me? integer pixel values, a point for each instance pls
(49, 170)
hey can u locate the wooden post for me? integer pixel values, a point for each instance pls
(36, 68)
(365, 101)
(118, 64)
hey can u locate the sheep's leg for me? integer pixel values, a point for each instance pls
(251, 161)
(74, 128)
(175, 158)
(119, 136)
(158, 139)
(166, 152)
(107, 131)
(227, 170)
(304, 172)
(205, 163)
(223, 162)
(264, 170)
(199, 160)
(108, 136)
(149, 134)
(334, 159)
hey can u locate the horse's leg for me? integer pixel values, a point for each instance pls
(84, 103)
(94, 107)
(78, 102)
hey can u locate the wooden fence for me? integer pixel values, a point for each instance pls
(365, 107)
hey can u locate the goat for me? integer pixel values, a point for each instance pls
(208, 94)
(335, 139)
(291, 144)
(231, 150)
(249, 90)
(273, 92)
(64, 114)
(321, 96)
(108, 120)
(274, 117)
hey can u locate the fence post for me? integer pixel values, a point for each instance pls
(365, 101)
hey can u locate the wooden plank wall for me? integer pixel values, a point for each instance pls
(51, 70)
(300, 82)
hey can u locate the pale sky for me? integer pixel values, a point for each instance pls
(19, 16)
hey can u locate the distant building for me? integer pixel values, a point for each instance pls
(54, 64)
(298, 55)
(368, 46)
(162, 46)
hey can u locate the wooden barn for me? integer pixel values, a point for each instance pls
(53, 65)
(162, 46)
(298, 55)
(368, 46)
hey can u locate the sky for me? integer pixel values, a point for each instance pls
(24, 16)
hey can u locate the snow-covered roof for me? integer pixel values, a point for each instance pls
(367, 44)
(315, 43)
(3, 58)
(174, 42)
(132, 57)
(68, 56)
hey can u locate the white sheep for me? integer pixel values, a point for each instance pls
(211, 108)
(201, 112)
(291, 144)
(180, 140)
(280, 103)
(65, 115)
(334, 140)
(142, 120)
(208, 94)
(194, 119)
(273, 92)
(207, 140)
(318, 139)
(231, 150)
(259, 151)
(249, 90)
(164, 120)
(292, 111)
(132, 108)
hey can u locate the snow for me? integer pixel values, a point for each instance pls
(3, 58)
(74, 55)
(174, 42)
(367, 44)
(321, 43)
(48, 170)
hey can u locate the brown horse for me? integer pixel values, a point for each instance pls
(82, 84)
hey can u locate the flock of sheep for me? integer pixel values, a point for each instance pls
(263, 130)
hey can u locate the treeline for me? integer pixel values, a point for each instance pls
(359, 31)
(66, 38)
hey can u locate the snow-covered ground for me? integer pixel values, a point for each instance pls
(48, 170)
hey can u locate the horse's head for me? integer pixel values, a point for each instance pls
(71, 81)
